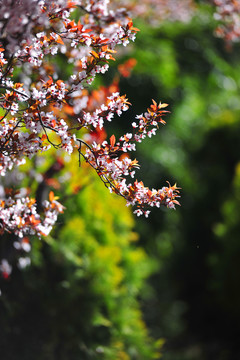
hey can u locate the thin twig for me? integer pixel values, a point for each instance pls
(14, 90)
(45, 131)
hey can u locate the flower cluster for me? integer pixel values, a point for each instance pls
(20, 216)
(114, 168)
(41, 107)
(228, 13)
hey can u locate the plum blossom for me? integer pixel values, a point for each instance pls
(228, 14)
(5, 268)
(42, 109)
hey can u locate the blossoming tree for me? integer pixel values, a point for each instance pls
(157, 11)
(41, 107)
(228, 13)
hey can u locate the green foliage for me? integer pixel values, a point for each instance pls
(195, 298)
(79, 299)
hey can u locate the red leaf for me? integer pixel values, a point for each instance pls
(51, 196)
(112, 140)
(59, 40)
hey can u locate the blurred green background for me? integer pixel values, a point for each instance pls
(106, 285)
(195, 300)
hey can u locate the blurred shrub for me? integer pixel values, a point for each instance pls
(79, 298)
(195, 301)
